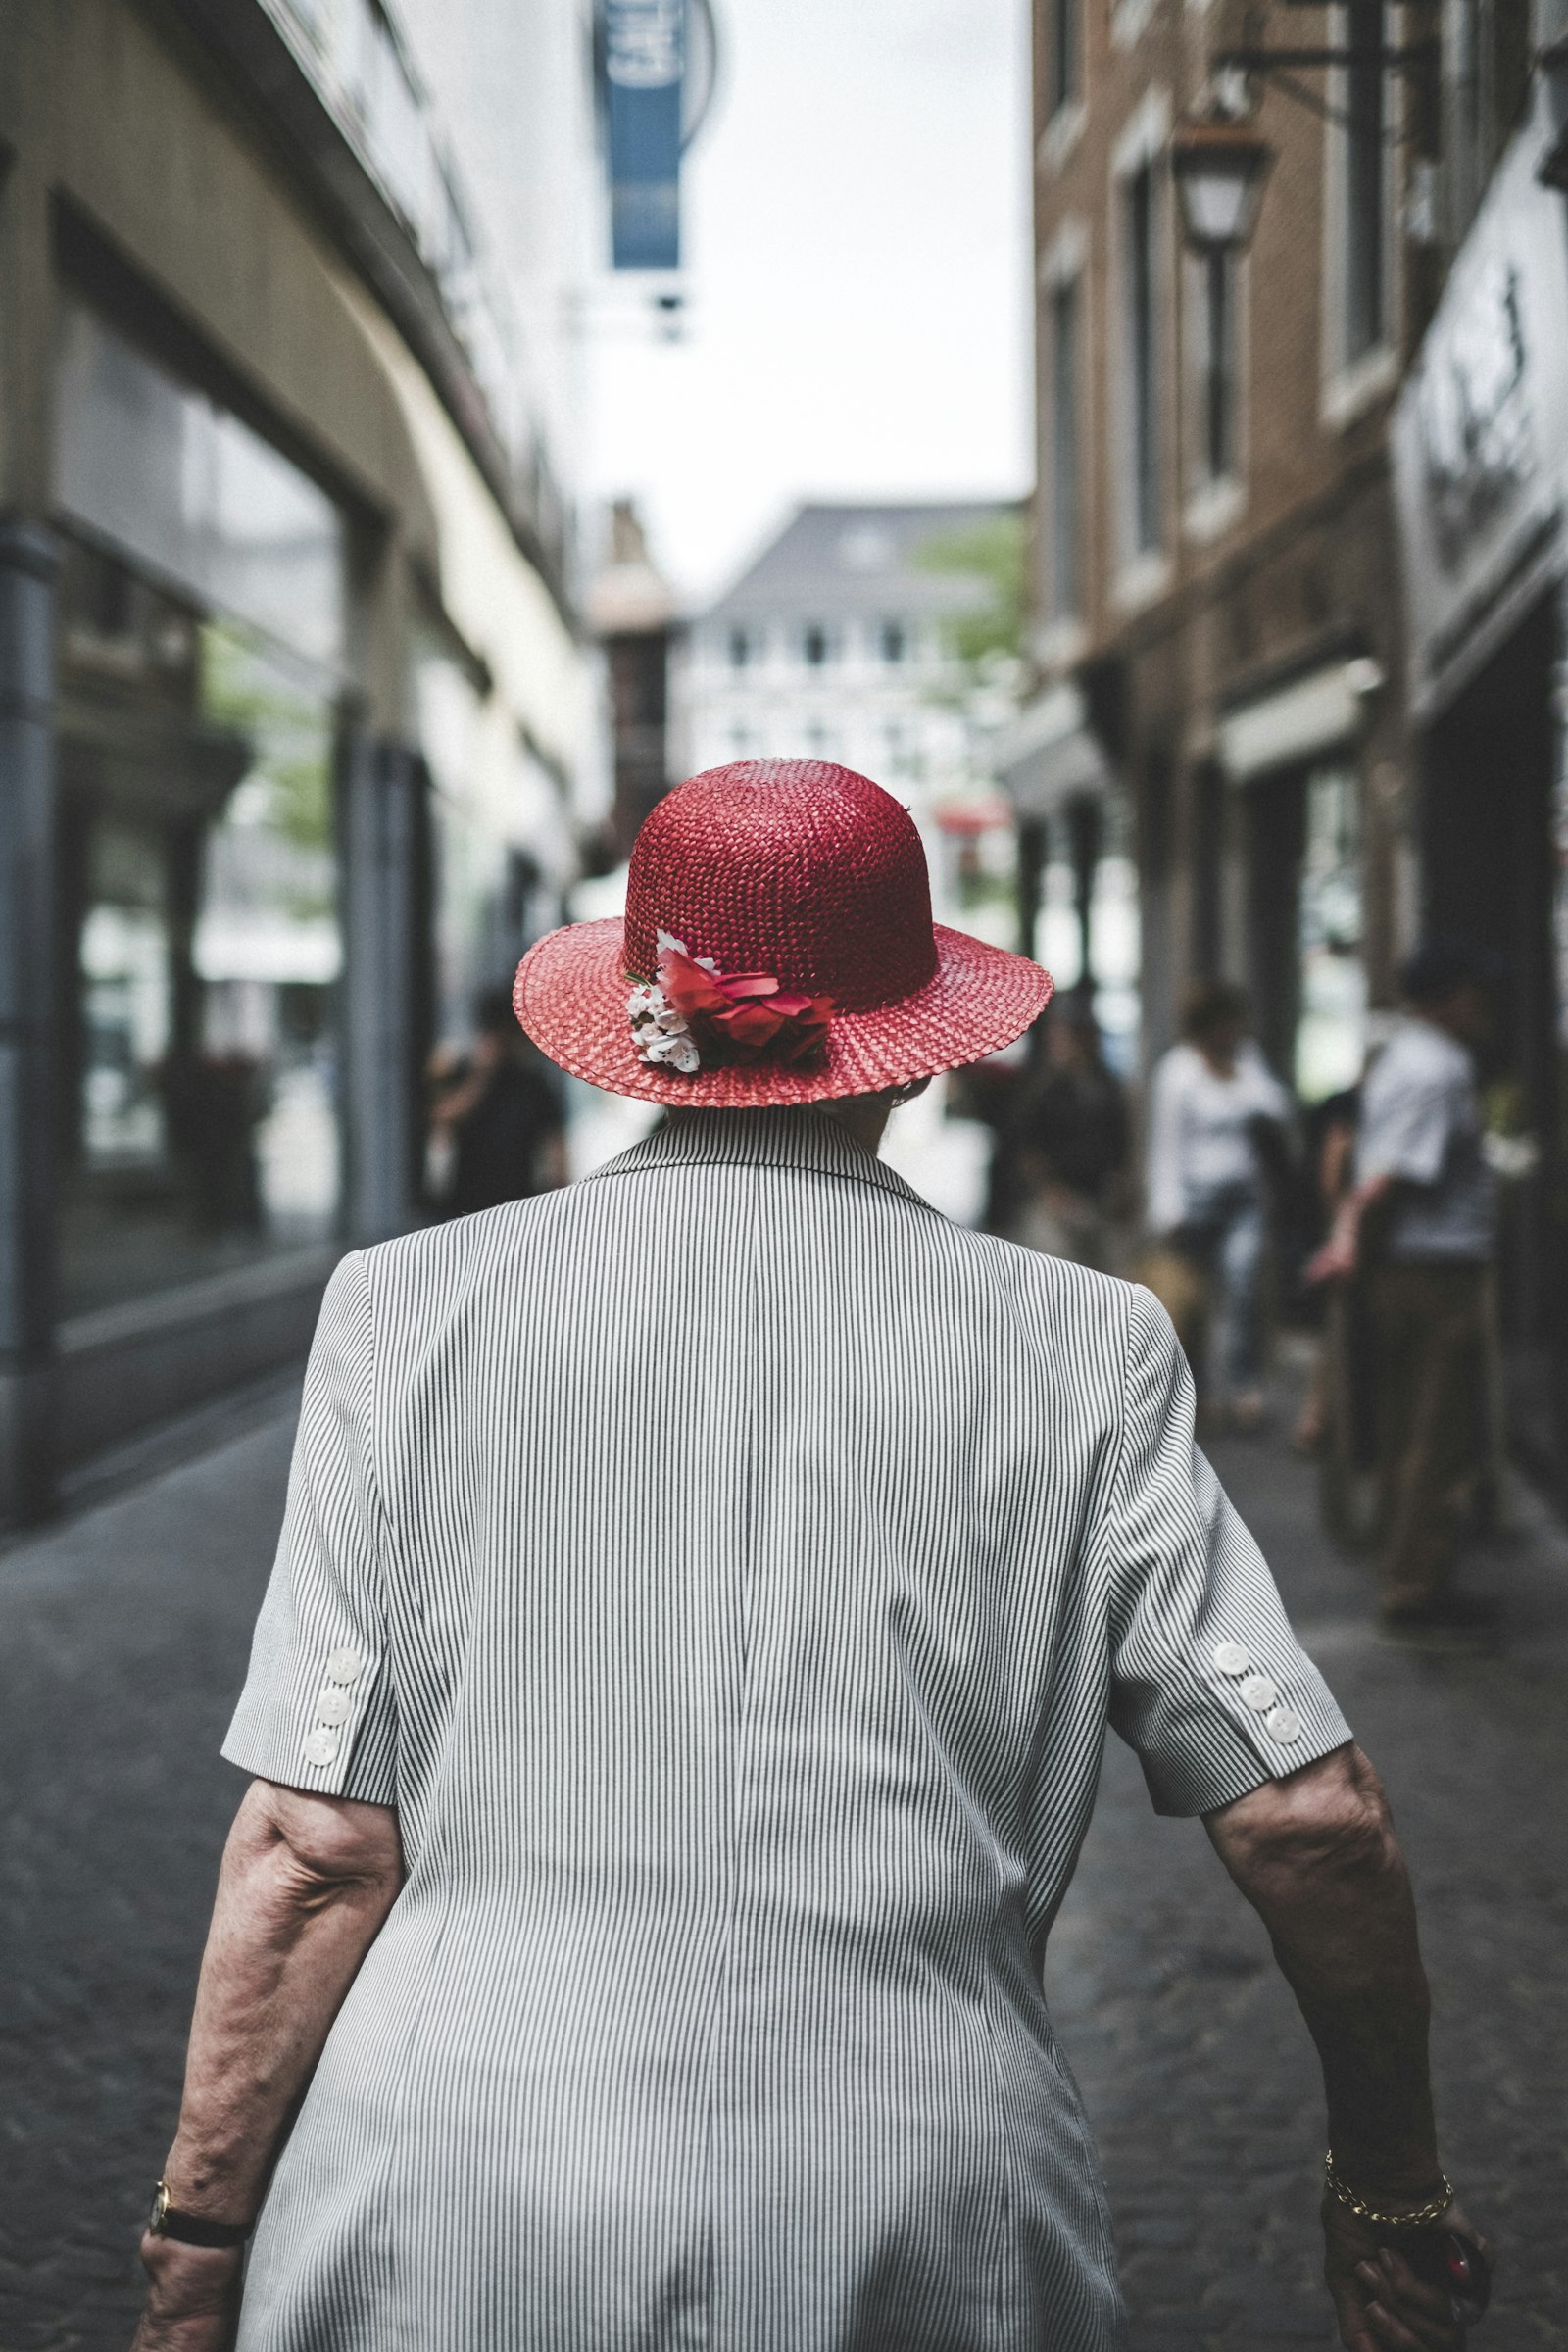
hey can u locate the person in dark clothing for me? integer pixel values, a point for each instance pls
(1068, 1136)
(503, 1112)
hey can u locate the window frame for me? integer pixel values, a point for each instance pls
(1141, 476)
(1064, 306)
(1357, 374)
(1215, 495)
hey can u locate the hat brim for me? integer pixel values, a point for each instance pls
(571, 996)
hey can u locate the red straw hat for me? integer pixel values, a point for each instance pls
(778, 948)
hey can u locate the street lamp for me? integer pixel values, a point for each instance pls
(1219, 167)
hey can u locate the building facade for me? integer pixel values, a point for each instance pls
(632, 609)
(293, 701)
(884, 637)
(1215, 596)
(1480, 441)
(1297, 621)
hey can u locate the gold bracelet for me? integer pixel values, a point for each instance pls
(1419, 2218)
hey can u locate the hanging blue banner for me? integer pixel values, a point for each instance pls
(644, 51)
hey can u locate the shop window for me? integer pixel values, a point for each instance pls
(1066, 452)
(1331, 1023)
(189, 490)
(198, 914)
(202, 607)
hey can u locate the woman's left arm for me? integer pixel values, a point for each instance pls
(306, 1883)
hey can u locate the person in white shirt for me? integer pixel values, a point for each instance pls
(1421, 1225)
(1215, 1102)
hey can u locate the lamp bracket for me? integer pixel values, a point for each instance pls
(1413, 58)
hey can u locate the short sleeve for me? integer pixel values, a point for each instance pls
(1406, 1127)
(1208, 1683)
(318, 1710)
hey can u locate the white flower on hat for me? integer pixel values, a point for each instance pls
(658, 1031)
(667, 944)
(662, 1035)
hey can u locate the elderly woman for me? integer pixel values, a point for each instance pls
(677, 1706)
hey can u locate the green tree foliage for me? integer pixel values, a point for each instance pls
(991, 552)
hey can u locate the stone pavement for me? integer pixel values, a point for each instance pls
(1197, 2070)
(124, 1638)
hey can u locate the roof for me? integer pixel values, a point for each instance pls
(850, 558)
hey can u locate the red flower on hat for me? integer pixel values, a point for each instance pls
(740, 1017)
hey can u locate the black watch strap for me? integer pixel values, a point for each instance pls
(192, 2228)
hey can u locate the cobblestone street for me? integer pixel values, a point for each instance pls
(125, 1638)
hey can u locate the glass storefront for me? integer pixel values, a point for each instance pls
(200, 630)
(499, 839)
(500, 854)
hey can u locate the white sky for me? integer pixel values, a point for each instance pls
(857, 281)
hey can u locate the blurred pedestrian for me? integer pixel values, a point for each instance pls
(1069, 1134)
(1218, 1123)
(1420, 1229)
(1331, 1132)
(502, 1113)
(216, 1104)
(680, 1701)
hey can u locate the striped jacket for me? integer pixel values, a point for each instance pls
(728, 1567)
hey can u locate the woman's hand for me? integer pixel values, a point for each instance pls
(1382, 2306)
(193, 2298)
(1340, 1254)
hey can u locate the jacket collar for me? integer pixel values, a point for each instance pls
(787, 1138)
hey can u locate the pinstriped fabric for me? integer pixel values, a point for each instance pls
(744, 1563)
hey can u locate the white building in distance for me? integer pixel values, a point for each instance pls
(861, 634)
(838, 643)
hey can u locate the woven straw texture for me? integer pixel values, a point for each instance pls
(789, 867)
(814, 874)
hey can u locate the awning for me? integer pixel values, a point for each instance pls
(1318, 712)
(1051, 754)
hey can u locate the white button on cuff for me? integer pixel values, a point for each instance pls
(1260, 1694)
(1284, 1724)
(344, 1666)
(321, 1745)
(335, 1706)
(1232, 1658)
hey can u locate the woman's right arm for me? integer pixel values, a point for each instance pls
(306, 1883)
(1316, 1856)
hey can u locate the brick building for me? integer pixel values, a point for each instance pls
(1217, 602)
(1299, 589)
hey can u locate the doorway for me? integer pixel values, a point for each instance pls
(1489, 871)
